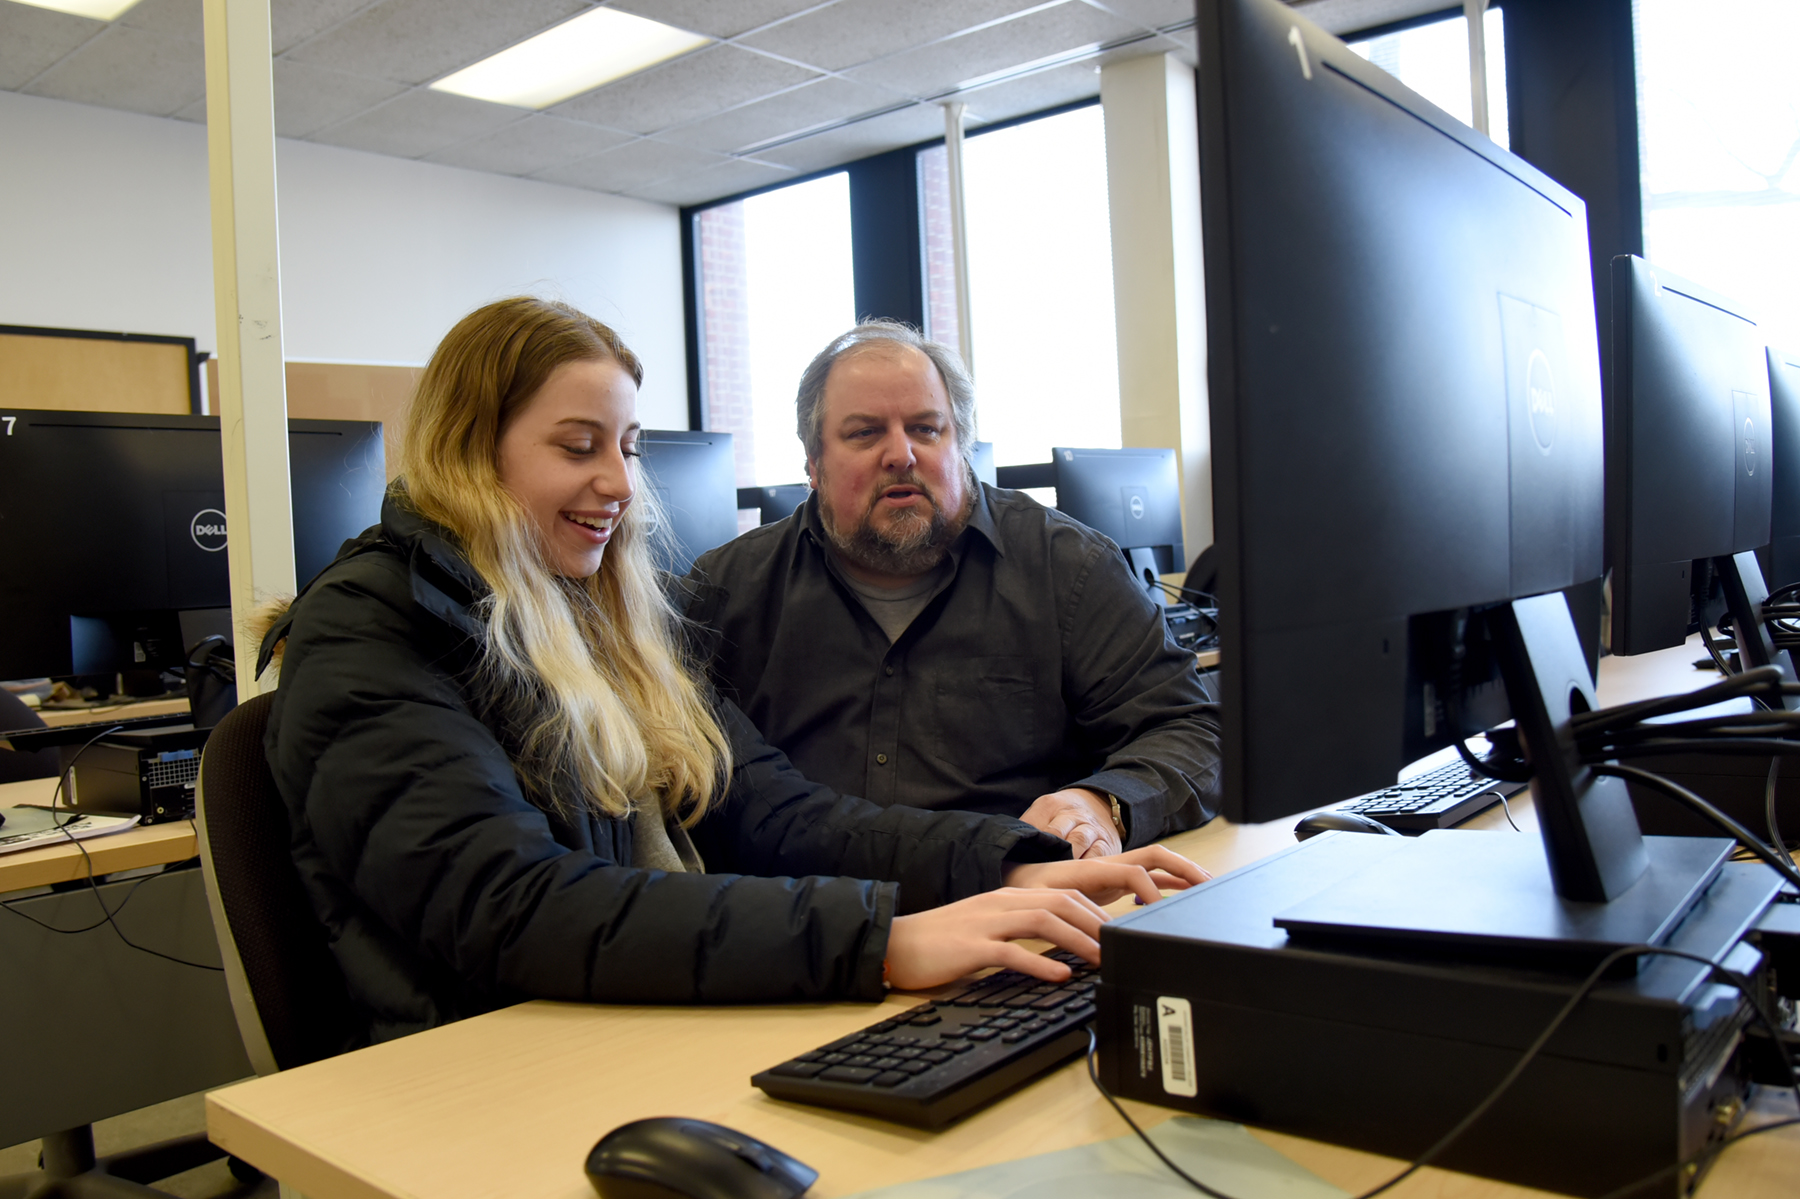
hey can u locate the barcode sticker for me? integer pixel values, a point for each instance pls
(1175, 1027)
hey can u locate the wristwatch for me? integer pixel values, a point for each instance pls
(1118, 814)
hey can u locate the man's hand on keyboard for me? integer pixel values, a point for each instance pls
(928, 949)
(1144, 873)
(1081, 817)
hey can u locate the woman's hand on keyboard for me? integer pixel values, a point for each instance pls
(1145, 873)
(928, 949)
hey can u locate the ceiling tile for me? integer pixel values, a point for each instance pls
(418, 123)
(631, 166)
(852, 32)
(1033, 93)
(829, 99)
(715, 18)
(308, 99)
(1152, 14)
(177, 18)
(690, 87)
(127, 68)
(196, 112)
(919, 123)
(537, 142)
(939, 68)
(293, 21)
(33, 39)
(725, 179)
(417, 41)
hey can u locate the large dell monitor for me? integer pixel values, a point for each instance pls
(112, 531)
(694, 478)
(1689, 471)
(1781, 557)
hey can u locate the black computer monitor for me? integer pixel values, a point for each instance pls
(112, 531)
(694, 478)
(982, 459)
(1132, 495)
(1781, 557)
(1688, 458)
(1407, 445)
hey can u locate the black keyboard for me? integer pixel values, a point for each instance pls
(1440, 798)
(942, 1060)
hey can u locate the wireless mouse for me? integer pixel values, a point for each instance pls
(671, 1157)
(1340, 822)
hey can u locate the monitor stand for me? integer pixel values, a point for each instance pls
(1745, 593)
(1142, 560)
(1593, 884)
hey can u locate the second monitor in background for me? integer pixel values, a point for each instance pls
(694, 477)
(1132, 495)
(1781, 557)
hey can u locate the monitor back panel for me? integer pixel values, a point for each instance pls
(1132, 495)
(694, 478)
(1405, 395)
(1688, 447)
(1781, 564)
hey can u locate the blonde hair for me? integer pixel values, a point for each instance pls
(585, 673)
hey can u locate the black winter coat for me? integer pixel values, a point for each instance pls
(446, 893)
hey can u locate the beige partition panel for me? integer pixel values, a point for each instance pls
(93, 374)
(345, 391)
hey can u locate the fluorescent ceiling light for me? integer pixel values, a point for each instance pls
(597, 47)
(100, 10)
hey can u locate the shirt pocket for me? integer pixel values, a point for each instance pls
(995, 716)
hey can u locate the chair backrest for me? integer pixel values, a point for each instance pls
(17, 765)
(286, 989)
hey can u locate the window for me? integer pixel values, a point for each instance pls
(1719, 134)
(1433, 60)
(776, 284)
(1040, 282)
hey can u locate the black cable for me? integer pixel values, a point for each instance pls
(93, 884)
(1676, 791)
(1741, 983)
(1775, 841)
(1587, 724)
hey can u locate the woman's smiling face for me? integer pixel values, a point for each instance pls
(566, 456)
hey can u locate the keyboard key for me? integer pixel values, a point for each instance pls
(909, 1052)
(914, 1067)
(832, 1059)
(849, 1074)
(861, 1059)
(955, 1046)
(888, 1063)
(884, 1026)
(901, 1038)
(1055, 999)
(981, 1034)
(935, 1056)
(925, 1021)
(799, 1069)
(1080, 1011)
(1013, 1037)
(889, 1078)
(843, 1042)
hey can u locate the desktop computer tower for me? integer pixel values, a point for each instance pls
(1207, 1006)
(150, 773)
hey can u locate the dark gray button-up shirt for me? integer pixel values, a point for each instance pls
(1039, 664)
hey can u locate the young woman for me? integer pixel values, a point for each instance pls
(505, 783)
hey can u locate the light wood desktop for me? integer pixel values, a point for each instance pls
(509, 1103)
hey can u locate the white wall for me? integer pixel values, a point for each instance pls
(104, 225)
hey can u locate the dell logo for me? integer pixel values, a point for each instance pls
(1749, 447)
(1137, 507)
(1540, 393)
(208, 530)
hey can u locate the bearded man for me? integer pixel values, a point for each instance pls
(916, 637)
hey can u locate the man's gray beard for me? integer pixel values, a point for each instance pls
(916, 544)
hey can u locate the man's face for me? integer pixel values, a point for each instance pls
(893, 490)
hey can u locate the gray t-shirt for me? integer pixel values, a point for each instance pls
(894, 608)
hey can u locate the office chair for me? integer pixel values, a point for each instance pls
(286, 989)
(17, 765)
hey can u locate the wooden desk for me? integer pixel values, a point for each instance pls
(154, 845)
(509, 1103)
(123, 1029)
(58, 717)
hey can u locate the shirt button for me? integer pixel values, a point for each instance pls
(887, 670)
(881, 759)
